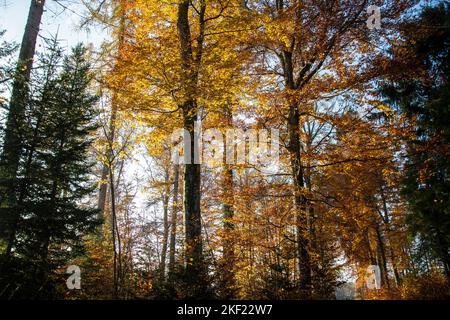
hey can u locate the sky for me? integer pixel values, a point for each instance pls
(56, 19)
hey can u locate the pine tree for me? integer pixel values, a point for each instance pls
(53, 176)
(420, 88)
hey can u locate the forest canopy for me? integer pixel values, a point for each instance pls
(227, 149)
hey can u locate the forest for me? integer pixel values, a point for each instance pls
(226, 150)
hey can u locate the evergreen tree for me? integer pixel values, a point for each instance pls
(421, 90)
(54, 177)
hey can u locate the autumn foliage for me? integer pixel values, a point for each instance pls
(361, 180)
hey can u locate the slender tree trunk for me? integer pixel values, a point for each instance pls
(382, 257)
(117, 245)
(228, 258)
(112, 121)
(386, 221)
(108, 170)
(304, 264)
(162, 265)
(173, 220)
(105, 169)
(398, 280)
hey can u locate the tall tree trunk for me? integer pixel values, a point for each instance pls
(110, 154)
(228, 225)
(382, 257)
(386, 221)
(173, 220)
(195, 273)
(228, 257)
(12, 148)
(304, 264)
(117, 245)
(112, 121)
(162, 265)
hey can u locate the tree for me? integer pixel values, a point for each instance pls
(190, 65)
(54, 176)
(420, 89)
(177, 86)
(304, 49)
